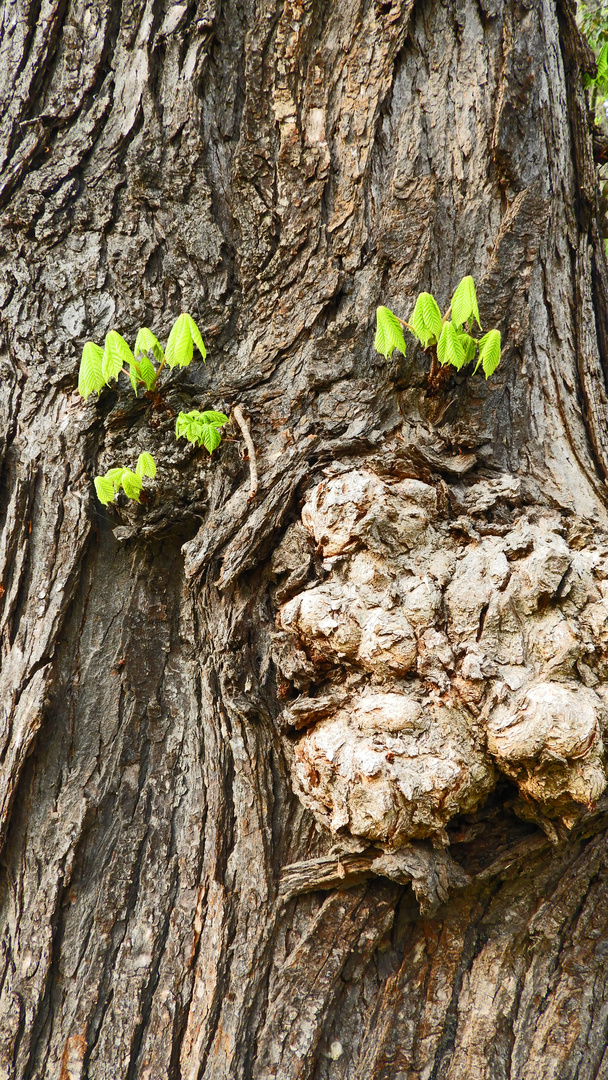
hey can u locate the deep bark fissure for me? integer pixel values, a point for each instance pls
(43, 1023)
(149, 990)
(471, 949)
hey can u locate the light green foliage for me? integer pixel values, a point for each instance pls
(601, 79)
(450, 349)
(146, 342)
(389, 335)
(592, 16)
(464, 303)
(426, 320)
(117, 355)
(201, 428)
(90, 376)
(451, 338)
(99, 367)
(489, 352)
(131, 482)
(146, 465)
(598, 87)
(147, 372)
(182, 339)
(105, 489)
(469, 345)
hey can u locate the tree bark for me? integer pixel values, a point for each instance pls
(170, 904)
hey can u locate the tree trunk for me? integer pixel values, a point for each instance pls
(187, 890)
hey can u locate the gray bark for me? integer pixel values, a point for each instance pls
(169, 907)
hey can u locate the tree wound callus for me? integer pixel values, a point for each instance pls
(430, 662)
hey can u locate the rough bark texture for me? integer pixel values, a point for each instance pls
(170, 907)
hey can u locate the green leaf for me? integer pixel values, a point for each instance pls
(115, 476)
(90, 375)
(210, 437)
(464, 303)
(147, 372)
(179, 349)
(193, 426)
(389, 335)
(432, 314)
(489, 352)
(210, 417)
(426, 320)
(116, 356)
(469, 345)
(201, 428)
(183, 425)
(147, 342)
(146, 465)
(131, 484)
(133, 377)
(105, 489)
(449, 348)
(196, 336)
(602, 64)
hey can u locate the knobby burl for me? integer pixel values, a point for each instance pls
(446, 636)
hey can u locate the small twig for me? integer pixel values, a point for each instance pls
(405, 323)
(160, 368)
(253, 468)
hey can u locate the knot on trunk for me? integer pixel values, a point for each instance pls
(446, 636)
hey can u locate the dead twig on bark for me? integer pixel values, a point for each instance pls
(253, 467)
(432, 874)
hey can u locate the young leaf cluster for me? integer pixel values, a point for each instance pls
(201, 428)
(593, 21)
(598, 87)
(131, 482)
(601, 79)
(98, 367)
(450, 338)
(592, 17)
